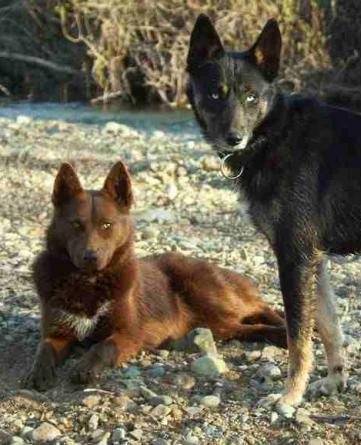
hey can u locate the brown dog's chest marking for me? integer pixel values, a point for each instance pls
(81, 301)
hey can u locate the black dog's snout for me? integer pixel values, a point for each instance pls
(233, 139)
(90, 256)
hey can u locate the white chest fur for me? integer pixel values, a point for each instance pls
(81, 325)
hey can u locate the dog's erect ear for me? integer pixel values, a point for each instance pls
(266, 52)
(66, 185)
(118, 185)
(205, 43)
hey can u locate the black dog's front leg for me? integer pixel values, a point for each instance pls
(297, 266)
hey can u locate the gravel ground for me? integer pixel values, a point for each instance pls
(182, 203)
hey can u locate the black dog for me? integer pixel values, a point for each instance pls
(298, 163)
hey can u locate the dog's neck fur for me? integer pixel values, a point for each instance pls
(263, 153)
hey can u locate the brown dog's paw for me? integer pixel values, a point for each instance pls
(87, 371)
(41, 377)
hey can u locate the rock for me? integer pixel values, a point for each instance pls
(26, 432)
(269, 371)
(162, 216)
(210, 164)
(149, 233)
(93, 422)
(117, 128)
(316, 441)
(302, 416)
(270, 353)
(97, 435)
(118, 434)
(184, 380)
(125, 403)
(171, 192)
(161, 400)
(104, 439)
(161, 411)
(136, 434)
(286, 411)
(193, 410)
(46, 432)
(190, 440)
(91, 401)
(209, 365)
(5, 437)
(147, 393)
(160, 441)
(132, 372)
(210, 401)
(252, 356)
(274, 417)
(15, 440)
(155, 372)
(198, 340)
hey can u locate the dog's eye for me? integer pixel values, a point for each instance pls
(251, 98)
(106, 225)
(76, 224)
(220, 93)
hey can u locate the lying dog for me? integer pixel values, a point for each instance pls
(91, 285)
(298, 164)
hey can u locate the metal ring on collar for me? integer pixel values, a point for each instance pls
(223, 168)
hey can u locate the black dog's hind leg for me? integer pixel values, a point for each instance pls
(297, 264)
(331, 335)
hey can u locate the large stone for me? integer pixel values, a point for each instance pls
(209, 365)
(46, 432)
(198, 340)
(211, 401)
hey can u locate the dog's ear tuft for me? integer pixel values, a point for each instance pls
(118, 185)
(266, 51)
(205, 43)
(66, 185)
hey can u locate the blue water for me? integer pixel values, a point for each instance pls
(168, 121)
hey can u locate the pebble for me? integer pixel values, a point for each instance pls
(161, 400)
(104, 439)
(269, 371)
(15, 440)
(132, 372)
(155, 372)
(93, 422)
(160, 441)
(5, 437)
(316, 441)
(161, 411)
(209, 365)
(136, 434)
(184, 381)
(118, 434)
(210, 401)
(45, 433)
(190, 440)
(91, 401)
(125, 403)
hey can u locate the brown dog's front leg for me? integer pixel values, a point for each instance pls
(298, 282)
(116, 349)
(51, 351)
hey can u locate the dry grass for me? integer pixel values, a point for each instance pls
(139, 47)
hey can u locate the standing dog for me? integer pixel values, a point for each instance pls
(298, 163)
(92, 286)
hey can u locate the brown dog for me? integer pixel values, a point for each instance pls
(91, 285)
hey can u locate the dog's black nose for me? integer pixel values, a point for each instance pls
(233, 139)
(89, 256)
